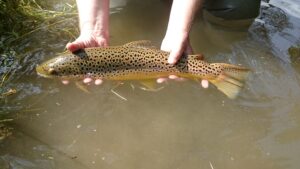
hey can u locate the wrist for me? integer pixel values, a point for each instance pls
(94, 17)
(176, 35)
(90, 28)
(181, 18)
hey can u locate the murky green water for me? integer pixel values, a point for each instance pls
(181, 126)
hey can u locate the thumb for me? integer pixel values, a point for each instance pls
(73, 46)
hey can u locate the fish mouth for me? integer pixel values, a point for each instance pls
(41, 71)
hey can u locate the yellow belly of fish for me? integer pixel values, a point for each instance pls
(142, 75)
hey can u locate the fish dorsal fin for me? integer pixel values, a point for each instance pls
(141, 44)
(197, 56)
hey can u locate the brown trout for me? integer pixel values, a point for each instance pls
(139, 60)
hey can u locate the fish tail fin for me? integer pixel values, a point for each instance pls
(230, 81)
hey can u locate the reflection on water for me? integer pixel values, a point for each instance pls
(181, 126)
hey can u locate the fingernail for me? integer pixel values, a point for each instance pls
(173, 77)
(204, 84)
(70, 47)
(98, 82)
(65, 82)
(87, 80)
(160, 80)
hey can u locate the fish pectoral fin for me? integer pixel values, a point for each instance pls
(82, 87)
(141, 44)
(197, 56)
(150, 85)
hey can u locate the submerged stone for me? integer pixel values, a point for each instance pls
(4, 131)
(294, 52)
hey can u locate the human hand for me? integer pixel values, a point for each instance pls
(94, 32)
(177, 47)
(94, 24)
(85, 40)
(176, 40)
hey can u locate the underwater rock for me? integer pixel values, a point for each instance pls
(4, 132)
(294, 52)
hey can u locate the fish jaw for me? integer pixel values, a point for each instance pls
(42, 71)
(50, 68)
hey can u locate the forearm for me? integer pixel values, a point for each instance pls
(94, 17)
(181, 17)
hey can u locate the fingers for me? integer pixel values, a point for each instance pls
(174, 77)
(74, 46)
(87, 80)
(77, 44)
(175, 54)
(204, 84)
(98, 81)
(176, 47)
(65, 82)
(86, 42)
(102, 42)
(161, 80)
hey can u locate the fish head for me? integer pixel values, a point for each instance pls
(60, 66)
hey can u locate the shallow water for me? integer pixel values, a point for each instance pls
(182, 125)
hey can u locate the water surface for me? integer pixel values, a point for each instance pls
(182, 125)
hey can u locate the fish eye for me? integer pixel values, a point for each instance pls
(52, 71)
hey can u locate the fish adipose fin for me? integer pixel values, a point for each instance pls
(141, 44)
(230, 81)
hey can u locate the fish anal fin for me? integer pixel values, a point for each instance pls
(225, 85)
(150, 85)
(141, 44)
(230, 81)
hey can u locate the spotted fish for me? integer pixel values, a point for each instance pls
(139, 60)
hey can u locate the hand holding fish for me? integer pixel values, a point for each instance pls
(140, 61)
(176, 40)
(86, 40)
(177, 47)
(94, 32)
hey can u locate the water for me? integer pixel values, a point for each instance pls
(181, 126)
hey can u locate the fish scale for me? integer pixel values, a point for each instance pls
(139, 60)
